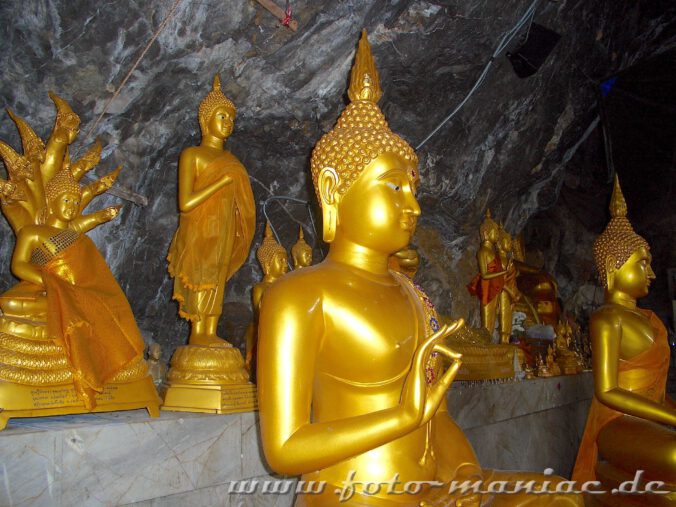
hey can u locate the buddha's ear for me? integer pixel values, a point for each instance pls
(327, 183)
(611, 263)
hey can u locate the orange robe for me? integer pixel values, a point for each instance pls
(487, 290)
(212, 241)
(644, 374)
(89, 316)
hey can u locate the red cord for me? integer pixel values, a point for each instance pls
(287, 15)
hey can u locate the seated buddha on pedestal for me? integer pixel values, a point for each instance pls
(628, 424)
(351, 384)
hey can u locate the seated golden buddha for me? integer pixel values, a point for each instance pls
(628, 424)
(350, 384)
(66, 328)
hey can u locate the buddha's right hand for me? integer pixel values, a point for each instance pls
(418, 400)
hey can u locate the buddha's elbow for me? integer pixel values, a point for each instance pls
(280, 462)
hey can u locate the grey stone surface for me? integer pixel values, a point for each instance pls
(506, 149)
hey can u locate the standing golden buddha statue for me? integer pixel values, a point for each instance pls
(627, 427)
(488, 284)
(510, 292)
(216, 226)
(301, 252)
(348, 388)
(274, 263)
(68, 339)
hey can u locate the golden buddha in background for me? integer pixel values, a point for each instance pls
(510, 292)
(215, 229)
(628, 423)
(217, 221)
(301, 252)
(66, 327)
(489, 283)
(274, 263)
(567, 360)
(348, 350)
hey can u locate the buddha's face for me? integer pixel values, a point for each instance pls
(304, 258)
(65, 206)
(379, 211)
(279, 265)
(635, 275)
(221, 123)
(505, 242)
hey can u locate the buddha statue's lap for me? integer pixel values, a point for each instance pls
(351, 379)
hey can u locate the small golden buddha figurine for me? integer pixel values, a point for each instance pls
(216, 226)
(490, 281)
(156, 367)
(274, 263)
(67, 332)
(552, 366)
(565, 358)
(347, 385)
(628, 424)
(301, 252)
(542, 368)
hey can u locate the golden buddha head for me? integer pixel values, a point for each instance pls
(504, 240)
(622, 257)
(63, 195)
(271, 255)
(301, 252)
(217, 112)
(363, 155)
(489, 228)
(67, 124)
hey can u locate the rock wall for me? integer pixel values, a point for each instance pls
(136, 71)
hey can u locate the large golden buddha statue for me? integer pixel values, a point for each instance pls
(628, 424)
(349, 378)
(68, 339)
(216, 226)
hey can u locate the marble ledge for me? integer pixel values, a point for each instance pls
(123, 457)
(475, 405)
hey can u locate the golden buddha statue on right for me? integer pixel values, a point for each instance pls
(627, 427)
(347, 378)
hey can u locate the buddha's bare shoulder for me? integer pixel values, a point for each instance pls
(608, 314)
(305, 285)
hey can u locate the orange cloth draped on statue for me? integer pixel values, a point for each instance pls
(212, 241)
(644, 374)
(487, 290)
(89, 316)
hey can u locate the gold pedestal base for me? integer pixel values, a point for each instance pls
(211, 399)
(18, 400)
(212, 380)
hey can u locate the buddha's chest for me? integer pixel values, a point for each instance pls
(369, 335)
(637, 335)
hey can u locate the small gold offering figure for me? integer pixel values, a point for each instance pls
(156, 367)
(66, 329)
(351, 356)
(301, 252)
(216, 226)
(631, 420)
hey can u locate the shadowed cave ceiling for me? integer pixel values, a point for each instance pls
(515, 146)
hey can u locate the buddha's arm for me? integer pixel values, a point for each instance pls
(188, 198)
(85, 223)
(482, 258)
(291, 329)
(606, 335)
(455, 456)
(21, 266)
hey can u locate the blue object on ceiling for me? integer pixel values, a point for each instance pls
(607, 85)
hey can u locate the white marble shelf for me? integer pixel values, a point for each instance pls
(181, 459)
